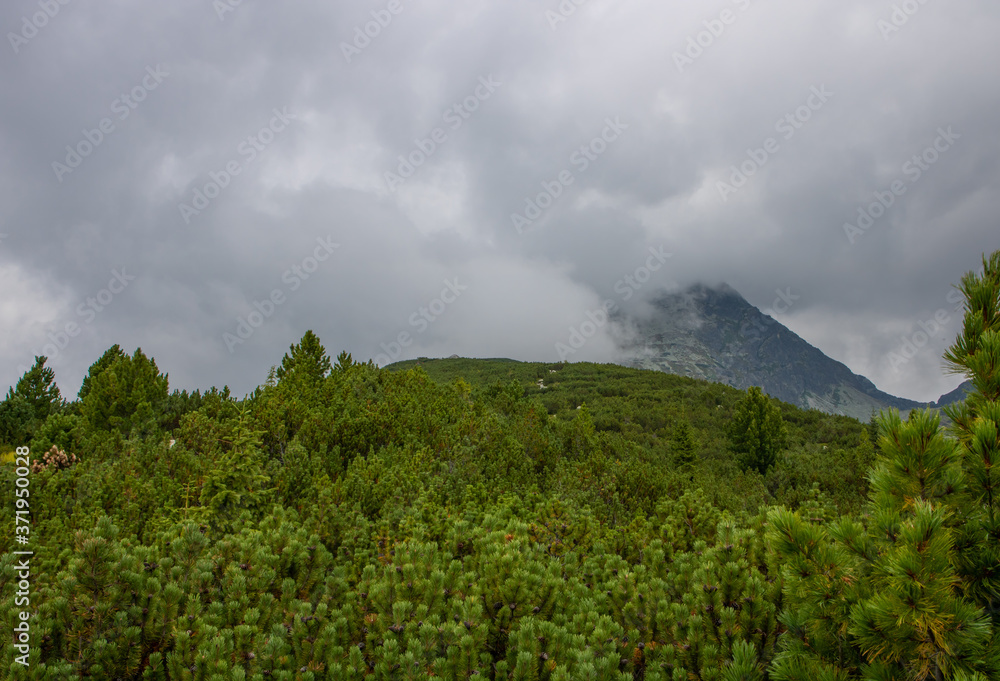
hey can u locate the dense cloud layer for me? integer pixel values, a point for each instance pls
(171, 172)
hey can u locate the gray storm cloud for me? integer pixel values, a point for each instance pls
(535, 150)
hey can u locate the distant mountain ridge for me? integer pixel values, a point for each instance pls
(713, 333)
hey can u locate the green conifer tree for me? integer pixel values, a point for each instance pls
(344, 361)
(110, 356)
(864, 454)
(29, 403)
(16, 418)
(238, 483)
(916, 621)
(38, 387)
(123, 392)
(306, 360)
(757, 433)
(976, 355)
(914, 584)
(99, 631)
(872, 429)
(682, 443)
(582, 434)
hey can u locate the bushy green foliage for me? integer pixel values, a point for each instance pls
(505, 520)
(909, 589)
(16, 419)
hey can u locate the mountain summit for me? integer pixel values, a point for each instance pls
(713, 333)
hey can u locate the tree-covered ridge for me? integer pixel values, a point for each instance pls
(648, 408)
(502, 520)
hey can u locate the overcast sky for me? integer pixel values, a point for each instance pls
(121, 124)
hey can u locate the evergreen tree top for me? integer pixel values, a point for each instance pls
(38, 387)
(307, 359)
(110, 356)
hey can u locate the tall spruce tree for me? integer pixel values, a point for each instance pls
(683, 444)
(757, 434)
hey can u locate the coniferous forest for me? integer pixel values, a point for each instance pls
(458, 518)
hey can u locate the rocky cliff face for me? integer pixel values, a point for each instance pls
(715, 334)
